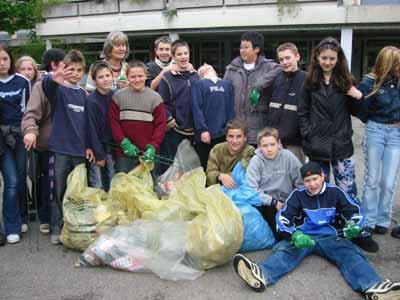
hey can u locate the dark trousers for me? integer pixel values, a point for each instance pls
(269, 213)
(168, 148)
(203, 150)
(63, 165)
(44, 187)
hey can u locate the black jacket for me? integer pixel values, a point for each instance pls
(152, 72)
(324, 117)
(282, 111)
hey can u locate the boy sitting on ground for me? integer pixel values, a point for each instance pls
(224, 156)
(318, 210)
(274, 173)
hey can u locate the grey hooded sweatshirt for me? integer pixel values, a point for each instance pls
(261, 78)
(274, 179)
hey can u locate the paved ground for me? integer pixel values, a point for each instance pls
(48, 273)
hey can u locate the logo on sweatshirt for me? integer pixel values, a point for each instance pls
(10, 94)
(217, 89)
(76, 108)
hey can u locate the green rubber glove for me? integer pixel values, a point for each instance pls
(128, 148)
(302, 240)
(255, 97)
(351, 230)
(150, 153)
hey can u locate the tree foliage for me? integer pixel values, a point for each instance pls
(17, 14)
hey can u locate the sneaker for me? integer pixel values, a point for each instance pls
(44, 228)
(55, 239)
(366, 243)
(2, 239)
(380, 229)
(13, 238)
(24, 228)
(385, 290)
(249, 272)
(396, 232)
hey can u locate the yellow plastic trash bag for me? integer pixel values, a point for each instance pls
(216, 228)
(216, 235)
(87, 211)
(133, 194)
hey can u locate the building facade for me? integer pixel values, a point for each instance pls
(213, 27)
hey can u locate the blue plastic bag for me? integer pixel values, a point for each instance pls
(257, 234)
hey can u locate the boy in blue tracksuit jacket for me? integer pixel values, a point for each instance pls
(68, 136)
(318, 219)
(213, 107)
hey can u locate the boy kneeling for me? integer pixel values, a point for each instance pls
(319, 209)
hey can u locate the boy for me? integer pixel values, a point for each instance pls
(282, 112)
(224, 156)
(213, 107)
(274, 173)
(174, 89)
(162, 62)
(318, 210)
(36, 128)
(137, 119)
(67, 139)
(251, 73)
(99, 131)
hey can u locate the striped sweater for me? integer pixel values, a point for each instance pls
(139, 116)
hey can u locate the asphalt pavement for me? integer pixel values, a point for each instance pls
(36, 270)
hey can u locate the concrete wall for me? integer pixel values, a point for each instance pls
(87, 18)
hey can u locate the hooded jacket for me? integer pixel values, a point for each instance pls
(260, 77)
(37, 116)
(274, 179)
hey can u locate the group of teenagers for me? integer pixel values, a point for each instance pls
(271, 117)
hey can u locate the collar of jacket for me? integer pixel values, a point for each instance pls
(176, 73)
(237, 63)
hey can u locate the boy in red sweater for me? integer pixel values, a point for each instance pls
(137, 118)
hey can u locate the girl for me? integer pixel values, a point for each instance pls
(14, 94)
(27, 66)
(382, 138)
(115, 52)
(327, 102)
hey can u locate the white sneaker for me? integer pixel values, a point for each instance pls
(13, 238)
(44, 228)
(24, 228)
(55, 239)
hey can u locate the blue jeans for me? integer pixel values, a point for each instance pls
(63, 165)
(350, 260)
(343, 172)
(100, 177)
(13, 168)
(382, 161)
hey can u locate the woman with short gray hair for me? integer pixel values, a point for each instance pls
(115, 52)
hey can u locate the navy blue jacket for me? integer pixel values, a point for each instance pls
(68, 135)
(322, 214)
(282, 110)
(213, 106)
(14, 94)
(382, 107)
(99, 130)
(175, 90)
